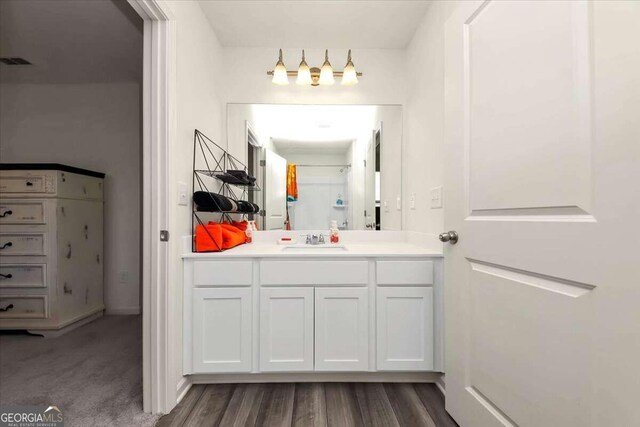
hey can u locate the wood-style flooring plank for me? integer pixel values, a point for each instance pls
(375, 406)
(342, 406)
(211, 406)
(433, 400)
(276, 409)
(182, 410)
(310, 408)
(244, 406)
(407, 405)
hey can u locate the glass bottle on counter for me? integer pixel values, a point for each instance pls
(334, 232)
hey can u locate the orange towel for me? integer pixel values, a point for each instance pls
(209, 238)
(292, 183)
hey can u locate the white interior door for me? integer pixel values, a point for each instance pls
(369, 186)
(275, 190)
(543, 163)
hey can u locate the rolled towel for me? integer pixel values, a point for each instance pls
(212, 202)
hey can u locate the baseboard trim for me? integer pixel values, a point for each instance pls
(440, 382)
(183, 387)
(48, 333)
(396, 377)
(123, 311)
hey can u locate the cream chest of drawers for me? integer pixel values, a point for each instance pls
(51, 250)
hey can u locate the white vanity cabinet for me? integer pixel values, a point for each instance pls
(222, 329)
(404, 329)
(286, 329)
(308, 316)
(342, 329)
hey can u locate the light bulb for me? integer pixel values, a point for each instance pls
(304, 73)
(326, 72)
(349, 75)
(280, 72)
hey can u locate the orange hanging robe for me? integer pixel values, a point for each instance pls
(292, 183)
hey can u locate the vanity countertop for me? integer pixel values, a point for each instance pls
(401, 244)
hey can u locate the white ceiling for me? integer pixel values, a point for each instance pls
(312, 147)
(70, 41)
(329, 128)
(315, 24)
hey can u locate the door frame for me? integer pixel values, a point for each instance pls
(158, 132)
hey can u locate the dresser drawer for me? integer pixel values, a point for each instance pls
(23, 275)
(23, 183)
(404, 273)
(313, 273)
(26, 212)
(23, 307)
(222, 273)
(22, 244)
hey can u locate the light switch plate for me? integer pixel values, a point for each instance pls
(183, 194)
(412, 201)
(436, 198)
(398, 203)
(386, 206)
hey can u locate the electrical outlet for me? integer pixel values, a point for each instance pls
(436, 198)
(386, 206)
(183, 194)
(412, 201)
(398, 203)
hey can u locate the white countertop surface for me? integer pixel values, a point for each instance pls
(400, 244)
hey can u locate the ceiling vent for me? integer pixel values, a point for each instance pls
(15, 61)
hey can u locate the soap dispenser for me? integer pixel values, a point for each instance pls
(339, 201)
(334, 232)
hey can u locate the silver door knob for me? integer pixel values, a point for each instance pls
(449, 236)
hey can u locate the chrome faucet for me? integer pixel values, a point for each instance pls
(314, 239)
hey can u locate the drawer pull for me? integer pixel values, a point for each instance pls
(5, 214)
(6, 276)
(29, 184)
(6, 245)
(7, 308)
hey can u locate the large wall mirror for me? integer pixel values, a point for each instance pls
(318, 163)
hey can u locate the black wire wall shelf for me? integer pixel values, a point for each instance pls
(221, 184)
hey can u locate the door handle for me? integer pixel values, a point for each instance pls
(449, 236)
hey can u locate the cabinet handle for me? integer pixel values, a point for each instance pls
(7, 308)
(5, 213)
(29, 184)
(6, 276)
(6, 245)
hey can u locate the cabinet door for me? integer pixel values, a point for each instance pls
(221, 330)
(342, 332)
(404, 329)
(286, 329)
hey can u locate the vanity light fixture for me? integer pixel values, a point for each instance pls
(280, 76)
(304, 73)
(326, 72)
(315, 76)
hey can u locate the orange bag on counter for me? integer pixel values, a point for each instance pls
(240, 225)
(209, 238)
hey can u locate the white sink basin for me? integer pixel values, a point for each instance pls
(327, 247)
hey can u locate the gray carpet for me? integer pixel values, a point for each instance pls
(93, 374)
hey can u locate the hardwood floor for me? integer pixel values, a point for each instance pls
(311, 405)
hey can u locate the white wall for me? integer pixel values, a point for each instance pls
(198, 105)
(423, 157)
(94, 126)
